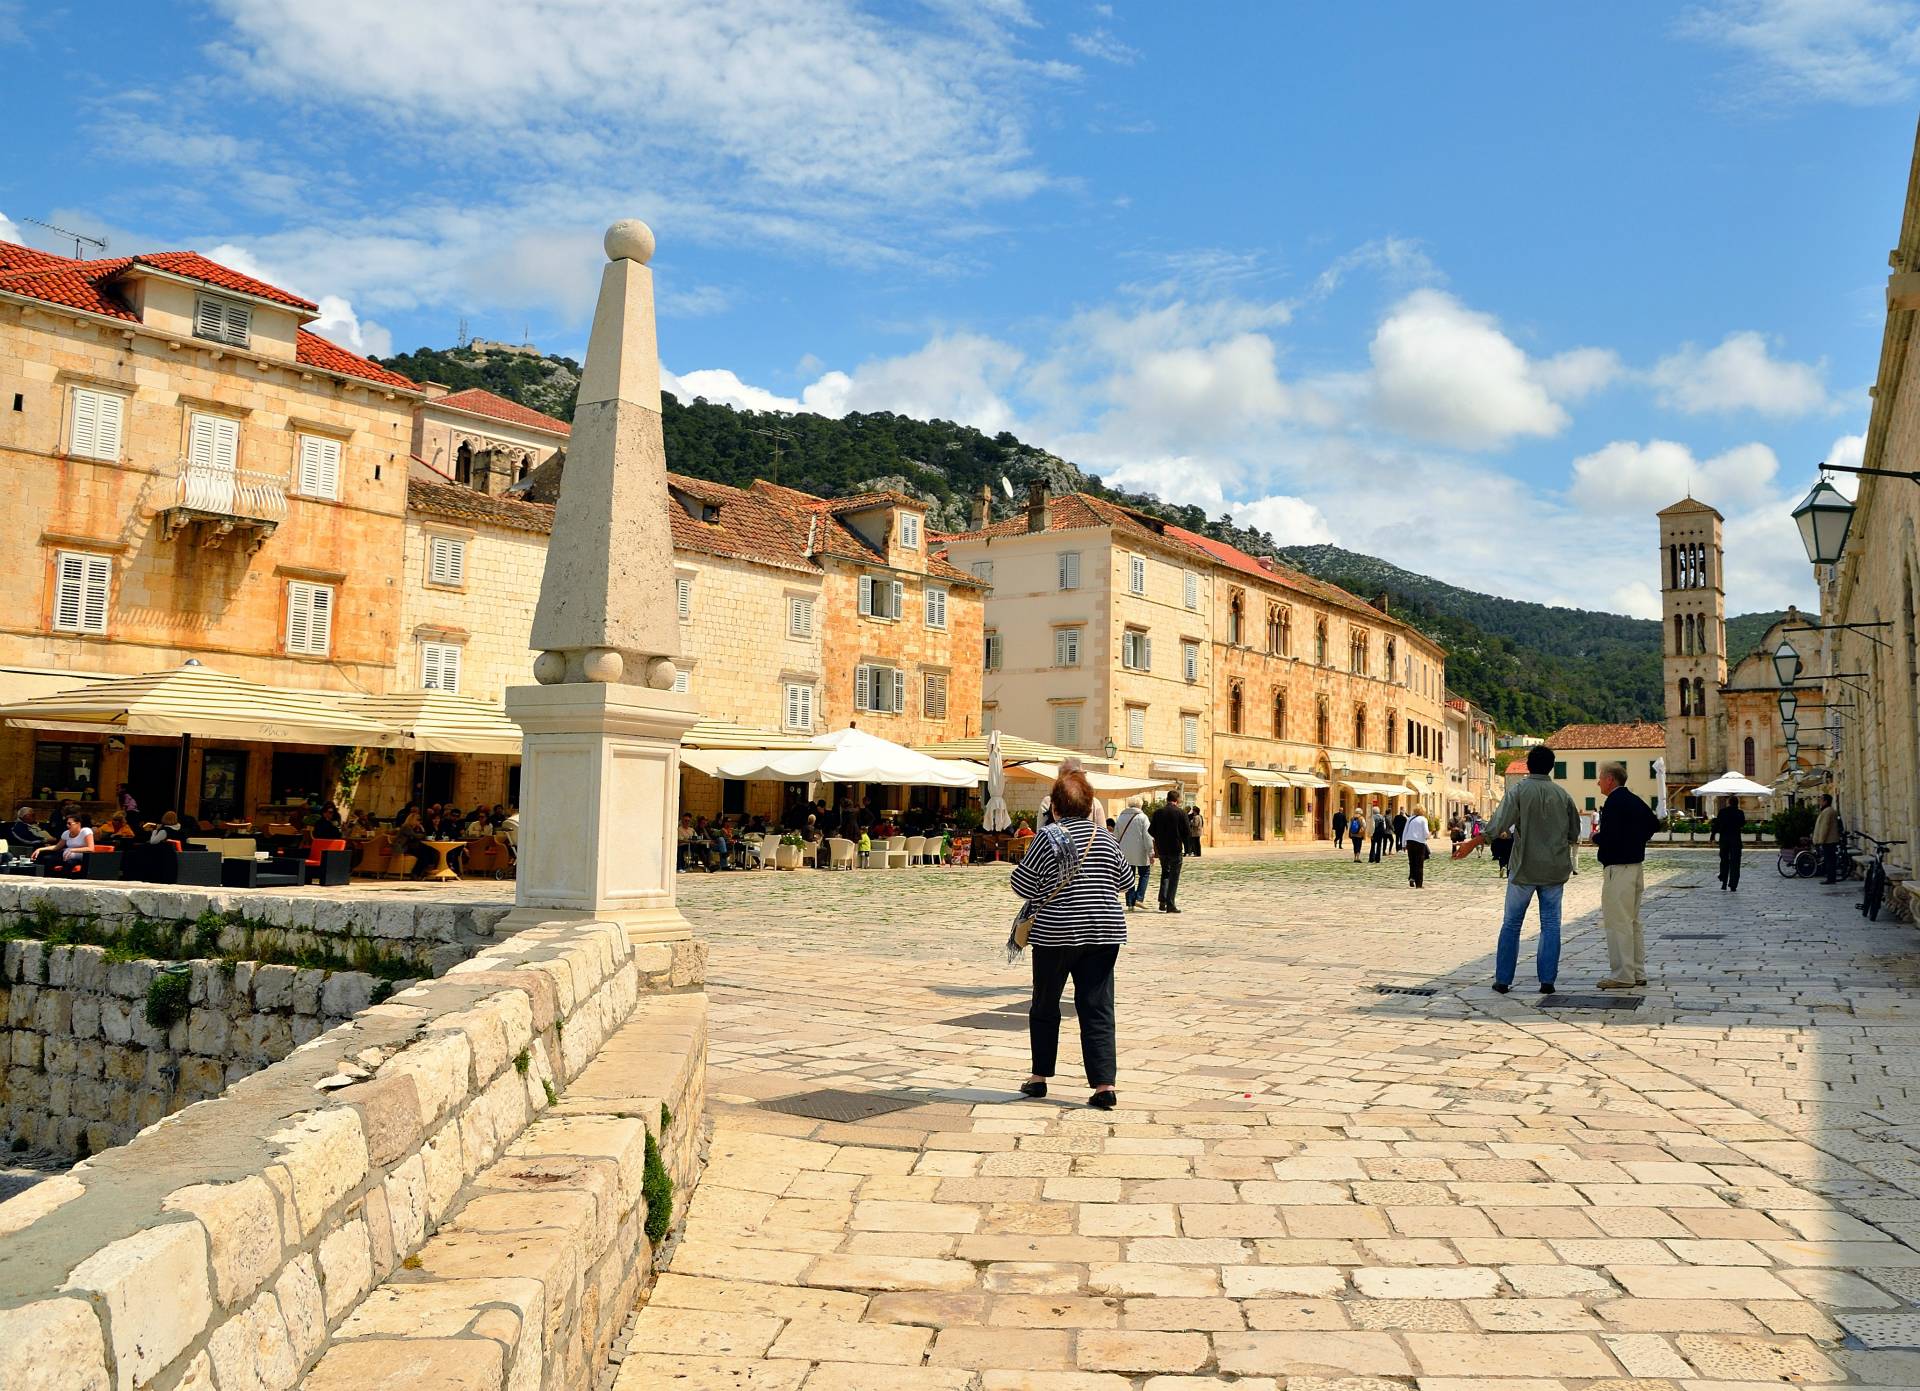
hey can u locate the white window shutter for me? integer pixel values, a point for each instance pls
(899, 691)
(1146, 652)
(200, 448)
(862, 688)
(682, 682)
(239, 319)
(209, 321)
(299, 622)
(799, 617)
(683, 596)
(319, 467)
(899, 605)
(866, 594)
(446, 560)
(86, 423)
(82, 585)
(450, 668)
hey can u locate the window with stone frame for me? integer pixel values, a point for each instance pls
(1236, 707)
(933, 695)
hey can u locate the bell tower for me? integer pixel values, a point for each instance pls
(1693, 643)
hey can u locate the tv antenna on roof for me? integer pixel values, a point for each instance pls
(99, 244)
(1005, 486)
(776, 436)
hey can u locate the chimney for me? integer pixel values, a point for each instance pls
(1383, 602)
(1036, 506)
(981, 513)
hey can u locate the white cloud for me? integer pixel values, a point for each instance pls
(1291, 521)
(725, 387)
(1636, 598)
(1850, 450)
(1445, 373)
(1630, 479)
(1101, 44)
(337, 321)
(9, 232)
(1860, 52)
(1396, 259)
(1739, 374)
(1577, 374)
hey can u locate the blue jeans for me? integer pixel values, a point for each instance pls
(1507, 958)
(1139, 894)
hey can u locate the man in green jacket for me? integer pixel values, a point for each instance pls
(1546, 828)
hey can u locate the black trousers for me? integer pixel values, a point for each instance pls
(1169, 879)
(1417, 864)
(1829, 862)
(1381, 840)
(1730, 865)
(1339, 834)
(1091, 969)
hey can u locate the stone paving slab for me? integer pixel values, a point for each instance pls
(1309, 1184)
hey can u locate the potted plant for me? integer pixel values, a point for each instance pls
(786, 855)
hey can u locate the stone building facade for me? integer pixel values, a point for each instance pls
(1693, 607)
(193, 475)
(1270, 697)
(1474, 781)
(1581, 750)
(483, 441)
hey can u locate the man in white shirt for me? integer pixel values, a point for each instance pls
(1136, 848)
(1417, 848)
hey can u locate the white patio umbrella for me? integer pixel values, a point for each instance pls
(1732, 784)
(851, 755)
(995, 817)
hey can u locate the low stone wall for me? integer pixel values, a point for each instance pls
(433, 934)
(84, 1065)
(240, 1241)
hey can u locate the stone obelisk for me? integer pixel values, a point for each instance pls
(600, 759)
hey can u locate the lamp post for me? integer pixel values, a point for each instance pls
(1824, 518)
(1786, 663)
(1789, 707)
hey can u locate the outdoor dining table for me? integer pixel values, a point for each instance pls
(441, 848)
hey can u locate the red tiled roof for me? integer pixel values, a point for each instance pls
(1078, 512)
(1609, 736)
(820, 518)
(468, 504)
(89, 286)
(1519, 765)
(478, 401)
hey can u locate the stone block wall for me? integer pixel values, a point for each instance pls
(356, 1207)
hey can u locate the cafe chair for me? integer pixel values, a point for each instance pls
(328, 862)
(840, 853)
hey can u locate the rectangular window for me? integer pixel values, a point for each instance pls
(222, 320)
(1136, 650)
(1587, 771)
(1136, 727)
(910, 531)
(682, 682)
(1190, 589)
(309, 618)
(983, 571)
(936, 606)
(1233, 799)
(880, 598)
(799, 707)
(800, 618)
(933, 696)
(214, 443)
(81, 585)
(1589, 804)
(1560, 771)
(97, 420)
(879, 689)
(318, 474)
(1189, 734)
(1190, 660)
(1136, 574)
(1066, 647)
(440, 666)
(683, 597)
(447, 561)
(1653, 768)
(992, 648)
(1066, 726)
(60, 769)
(1069, 569)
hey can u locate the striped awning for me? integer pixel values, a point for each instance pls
(439, 722)
(713, 742)
(198, 701)
(1260, 777)
(1377, 789)
(1013, 749)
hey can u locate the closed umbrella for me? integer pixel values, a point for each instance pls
(1660, 782)
(994, 817)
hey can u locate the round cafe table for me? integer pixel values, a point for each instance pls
(440, 848)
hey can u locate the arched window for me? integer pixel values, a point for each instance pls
(1393, 730)
(1279, 714)
(1236, 618)
(1692, 635)
(1359, 726)
(463, 464)
(1686, 696)
(1699, 696)
(1320, 642)
(526, 467)
(1286, 633)
(1236, 707)
(1676, 635)
(1392, 657)
(1320, 721)
(1673, 567)
(1746, 757)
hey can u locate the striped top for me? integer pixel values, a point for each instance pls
(1087, 912)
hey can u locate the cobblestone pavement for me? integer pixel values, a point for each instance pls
(1309, 1184)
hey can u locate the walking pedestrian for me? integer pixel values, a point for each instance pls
(1070, 878)
(1546, 828)
(1502, 851)
(1414, 835)
(1727, 828)
(1400, 830)
(1136, 848)
(1826, 839)
(1354, 832)
(1620, 840)
(1339, 828)
(1168, 829)
(1382, 837)
(1196, 823)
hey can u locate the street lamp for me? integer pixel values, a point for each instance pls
(1789, 706)
(1824, 519)
(1786, 663)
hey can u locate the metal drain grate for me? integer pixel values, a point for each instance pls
(1590, 1001)
(832, 1104)
(1694, 937)
(1380, 989)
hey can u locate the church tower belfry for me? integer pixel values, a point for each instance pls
(1693, 636)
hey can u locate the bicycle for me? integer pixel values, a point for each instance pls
(1797, 861)
(1874, 892)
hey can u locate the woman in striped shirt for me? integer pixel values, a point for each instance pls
(1074, 874)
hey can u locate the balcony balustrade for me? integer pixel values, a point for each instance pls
(217, 504)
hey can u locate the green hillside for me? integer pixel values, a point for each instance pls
(1533, 667)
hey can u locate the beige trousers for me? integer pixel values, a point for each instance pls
(1620, 891)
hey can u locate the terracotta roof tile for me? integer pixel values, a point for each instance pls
(197, 267)
(1609, 736)
(467, 504)
(316, 351)
(478, 401)
(821, 518)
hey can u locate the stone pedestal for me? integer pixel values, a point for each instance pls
(599, 806)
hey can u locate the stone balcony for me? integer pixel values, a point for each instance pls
(214, 505)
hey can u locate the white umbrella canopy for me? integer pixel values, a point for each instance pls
(851, 755)
(995, 817)
(1732, 784)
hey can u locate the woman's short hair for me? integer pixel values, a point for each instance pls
(1072, 794)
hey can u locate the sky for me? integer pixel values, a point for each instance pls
(1473, 288)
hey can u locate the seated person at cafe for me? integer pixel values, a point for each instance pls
(722, 844)
(327, 826)
(166, 829)
(478, 825)
(118, 832)
(26, 834)
(72, 846)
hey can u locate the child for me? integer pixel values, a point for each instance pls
(866, 848)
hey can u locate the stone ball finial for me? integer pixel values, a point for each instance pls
(630, 239)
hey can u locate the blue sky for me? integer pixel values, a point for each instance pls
(1475, 288)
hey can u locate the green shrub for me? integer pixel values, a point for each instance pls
(657, 1186)
(547, 1087)
(666, 1118)
(1793, 824)
(168, 994)
(522, 1060)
